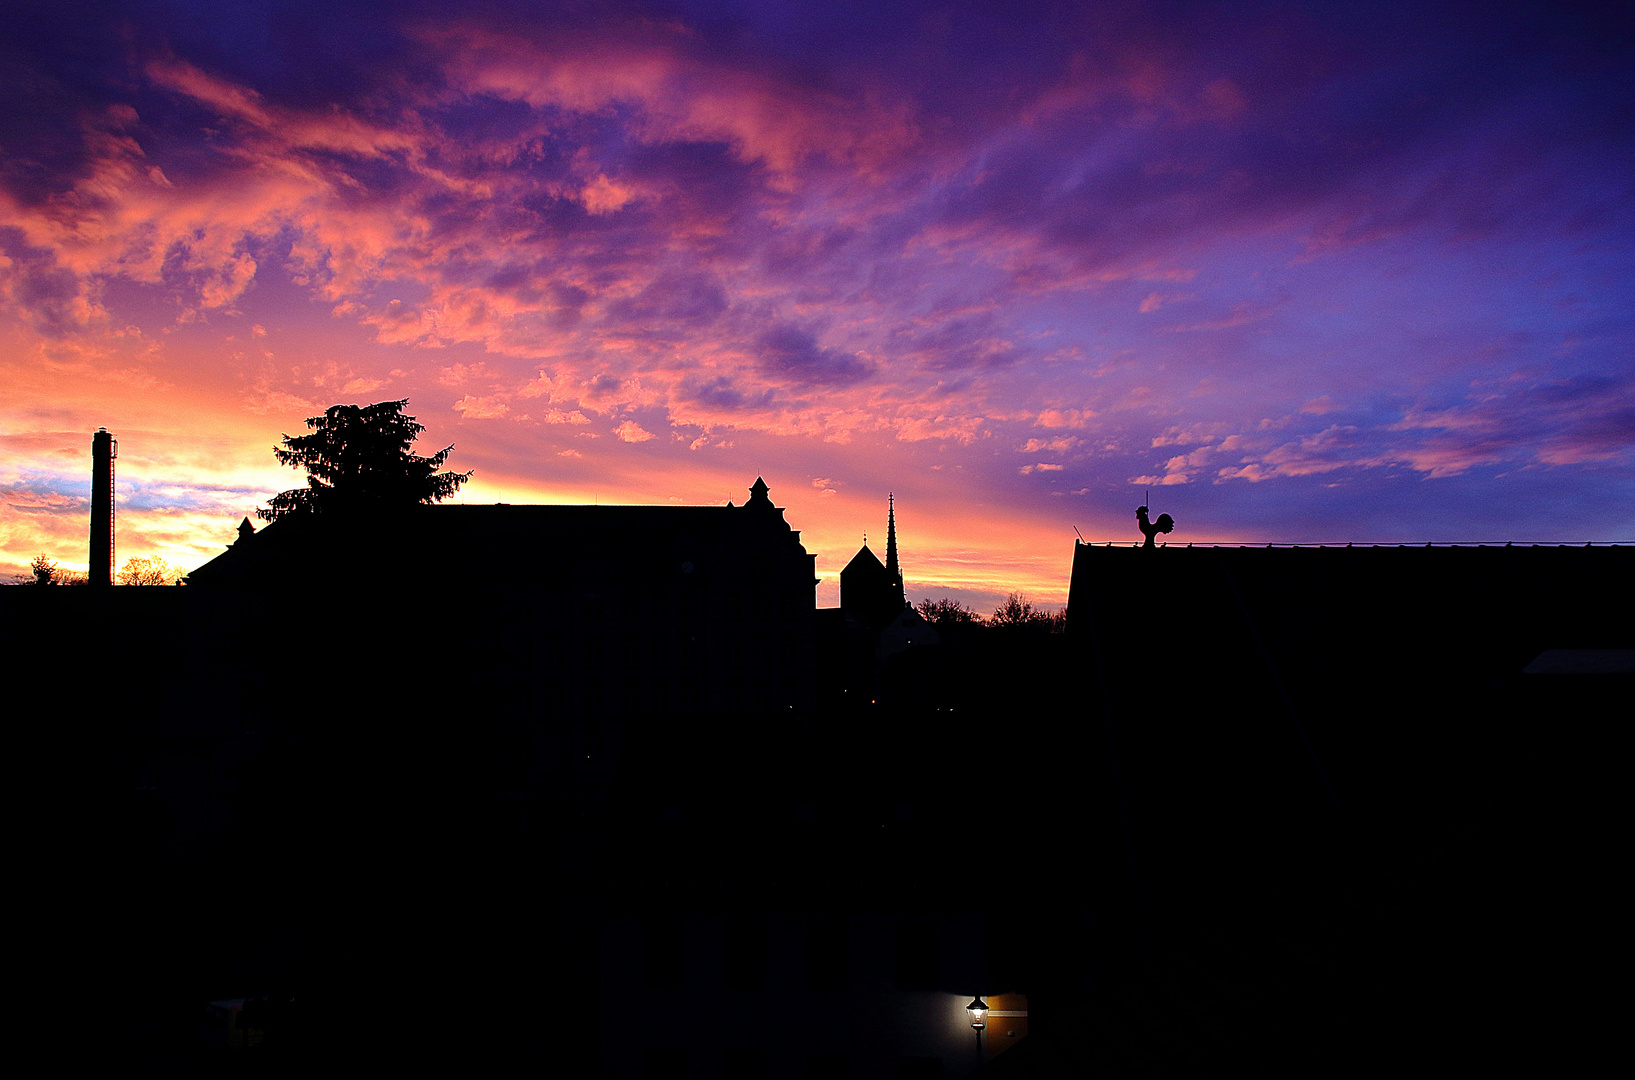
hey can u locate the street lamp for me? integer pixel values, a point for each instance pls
(979, 1020)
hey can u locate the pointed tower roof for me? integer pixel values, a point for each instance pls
(865, 562)
(893, 568)
(891, 538)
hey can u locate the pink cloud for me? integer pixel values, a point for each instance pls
(679, 97)
(844, 266)
(631, 432)
(482, 408)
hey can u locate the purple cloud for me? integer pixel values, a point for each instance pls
(1279, 259)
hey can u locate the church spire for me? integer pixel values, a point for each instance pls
(892, 569)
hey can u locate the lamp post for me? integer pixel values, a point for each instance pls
(979, 1022)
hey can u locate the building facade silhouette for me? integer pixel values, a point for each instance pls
(574, 782)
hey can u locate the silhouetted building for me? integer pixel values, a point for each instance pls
(394, 748)
(568, 782)
(873, 623)
(867, 591)
(1317, 770)
(870, 592)
(576, 610)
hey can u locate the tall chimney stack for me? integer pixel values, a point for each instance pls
(104, 449)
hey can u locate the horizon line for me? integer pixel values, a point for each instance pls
(1366, 543)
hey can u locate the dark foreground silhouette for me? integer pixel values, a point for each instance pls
(504, 785)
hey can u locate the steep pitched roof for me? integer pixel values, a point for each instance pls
(866, 564)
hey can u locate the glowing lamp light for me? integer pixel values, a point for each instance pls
(979, 1013)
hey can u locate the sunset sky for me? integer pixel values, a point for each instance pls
(1310, 272)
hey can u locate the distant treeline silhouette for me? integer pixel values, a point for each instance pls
(1016, 613)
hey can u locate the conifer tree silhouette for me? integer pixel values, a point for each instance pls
(358, 458)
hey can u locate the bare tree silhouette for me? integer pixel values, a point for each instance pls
(1018, 612)
(148, 570)
(946, 613)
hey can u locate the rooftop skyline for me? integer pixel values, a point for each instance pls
(1309, 272)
